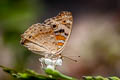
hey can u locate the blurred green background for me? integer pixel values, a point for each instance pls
(95, 35)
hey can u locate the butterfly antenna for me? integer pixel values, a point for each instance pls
(70, 58)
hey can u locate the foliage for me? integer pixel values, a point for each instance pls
(31, 75)
(100, 78)
(50, 75)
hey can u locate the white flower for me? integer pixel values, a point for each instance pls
(51, 67)
(49, 63)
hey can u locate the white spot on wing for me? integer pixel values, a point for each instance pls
(62, 41)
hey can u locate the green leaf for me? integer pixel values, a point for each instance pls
(56, 74)
(27, 75)
(31, 75)
(51, 75)
(114, 78)
(100, 78)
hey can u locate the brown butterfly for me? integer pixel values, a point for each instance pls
(49, 37)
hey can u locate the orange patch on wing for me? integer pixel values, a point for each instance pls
(59, 37)
(60, 44)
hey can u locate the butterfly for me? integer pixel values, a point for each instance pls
(49, 37)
